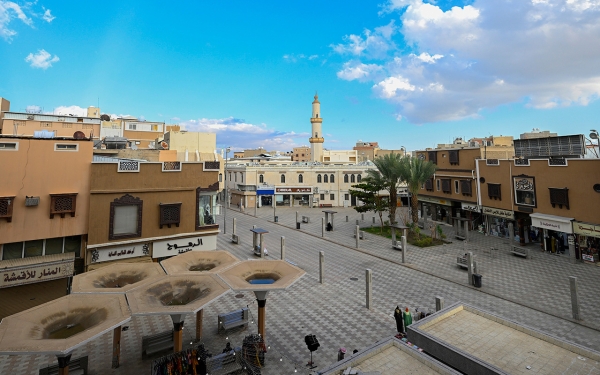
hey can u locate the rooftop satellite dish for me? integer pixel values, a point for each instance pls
(79, 135)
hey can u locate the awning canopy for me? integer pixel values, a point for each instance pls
(552, 222)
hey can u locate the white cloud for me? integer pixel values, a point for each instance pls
(33, 109)
(48, 17)
(461, 60)
(291, 57)
(356, 70)
(74, 110)
(41, 59)
(374, 44)
(239, 134)
(8, 11)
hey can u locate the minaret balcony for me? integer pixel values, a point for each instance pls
(316, 119)
(316, 140)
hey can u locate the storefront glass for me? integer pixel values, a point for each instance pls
(498, 226)
(588, 248)
(73, 245)
(34, 248)
(54, 246)
(12, 250)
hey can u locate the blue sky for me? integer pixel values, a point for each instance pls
(400, 72)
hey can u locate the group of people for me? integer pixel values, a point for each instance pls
(403, 319)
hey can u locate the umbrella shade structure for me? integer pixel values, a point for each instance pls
(60, 326)
(197, 262)
(117, 278)
(176, 294)
(261, 275)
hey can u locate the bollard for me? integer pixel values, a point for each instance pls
(439, 303)
(369, 286)
(404, 249)
(470, 266)
(346, 218)
(373, 219)
(356, 221)
(297, 217)
(234, 220)
(322, 227)
(321, 267)
(357, 235)
(574, 297)
(254, 227)
(362, 217)
(282, 248)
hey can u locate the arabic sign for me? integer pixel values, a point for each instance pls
(435, 200)
(36, 273)
(469, 207)
(499, 212)
(585, 229)
(307, 190)
(176, 246)
(121, 252)
(551, 224)
(589, 258)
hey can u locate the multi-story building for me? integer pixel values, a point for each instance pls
(301, 154)
(370, 150)
(145, 211)
(44, 206)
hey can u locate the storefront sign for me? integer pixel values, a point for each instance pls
(36, 273)
(589, 258)
(292, 190)
(470, 207)
(585, 229)
(435, 200)
(120, 252)
(183, 245)
(555, 223)
(499, 212)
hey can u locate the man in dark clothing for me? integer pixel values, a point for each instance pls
(399, 320)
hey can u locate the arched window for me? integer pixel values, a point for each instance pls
(319, 178)
(352, 178)
(331, 178)
(358, 178)
(346, 178)
(261, 178)
(220, 177)
(242, 177)
(283, 179)
(300, 179)
(235, 176)
(325, 178)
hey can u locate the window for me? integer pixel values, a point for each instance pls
(206, 201)
(358, 178)
(62, 204)
(66, 147)
(332, 178)
(48, 246)
(9, 146)
(437, 184)
(446, 185)
(220, 177)
(34, 248)
(241, 177)
(282, 179)
(346, 197)
(54, 245)
(319, 179)
(352, 179)
(125, 218)
(465, 186)
(456, 186)
(235, 176)
(322, 197)
(429, 184)
(560, 197)
(524, 190)
(45, 124)
(261, 179)
(432, 156)
(494, 191)
(170, 213)
(346, 178)
(332, 197)
(229, 176)
(453, 156)
(12, 250)
(300, 179)
(6, 208)
(325, 178)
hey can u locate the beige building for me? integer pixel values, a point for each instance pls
(301, 154)
(370, 150)
(339, 156)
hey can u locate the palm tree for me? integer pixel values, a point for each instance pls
(416, 172)
(388, 175)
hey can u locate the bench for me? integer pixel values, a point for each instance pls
(235, 238)
(225, 363)
(157, 343)
(233, 319)
(461, 261)
(520, 251)
(78, 366)
(493, 251)
(305, 219)
(361, 235)
(326, 205)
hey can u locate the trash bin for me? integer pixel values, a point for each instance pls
(276, 219)
(477, 280)
(297, 225)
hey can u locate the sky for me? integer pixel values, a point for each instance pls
(404, 73)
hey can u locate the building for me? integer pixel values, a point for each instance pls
(146, 211)
(316, 140)
(44, 210)
(537, 133)
(370, 150)
(301, 154)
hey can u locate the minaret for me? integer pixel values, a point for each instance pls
(316, 140)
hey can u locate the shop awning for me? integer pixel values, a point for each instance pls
(552, 222)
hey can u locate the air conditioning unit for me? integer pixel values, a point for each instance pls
(30, 117)
(315, 190)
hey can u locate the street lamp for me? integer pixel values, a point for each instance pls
(594, 135)
(226, 195)
(402, 148)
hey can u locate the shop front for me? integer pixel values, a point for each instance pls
(293, 196)
(436, 209)
(496, 221)
(174, 246)
(556, 231)
(471, 211)
(130, 253)
(587, 242)
(264, 195)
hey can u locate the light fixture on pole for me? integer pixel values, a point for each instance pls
(594, 135)
(226, 195)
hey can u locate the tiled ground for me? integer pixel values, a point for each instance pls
(533, 291)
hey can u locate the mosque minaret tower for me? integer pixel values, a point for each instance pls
(316, 140)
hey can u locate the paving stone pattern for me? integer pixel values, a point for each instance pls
(533, 291)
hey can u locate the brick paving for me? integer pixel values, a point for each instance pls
(533, 291)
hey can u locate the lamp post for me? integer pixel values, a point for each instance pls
(403, 149)
(226, 195)
(594, 135)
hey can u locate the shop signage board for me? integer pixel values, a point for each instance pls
(589, 258)
(443, 202)
(36, 273)
(294, 190)
(554, 223)
(586, 229)
(268, 191)
(176, 246)
(119, 252)
(499, 212)
(470, 207)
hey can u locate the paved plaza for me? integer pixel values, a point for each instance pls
(533, 291)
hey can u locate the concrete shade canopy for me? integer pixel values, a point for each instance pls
(196, 262)
(117, 278)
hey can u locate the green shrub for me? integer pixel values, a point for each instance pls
(424, 242)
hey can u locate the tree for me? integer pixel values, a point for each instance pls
(367, 191)
(388, 175)
(416, 172)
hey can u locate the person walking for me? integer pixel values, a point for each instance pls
(399, 321)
